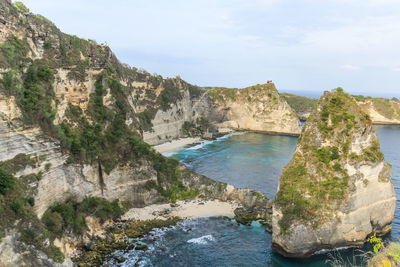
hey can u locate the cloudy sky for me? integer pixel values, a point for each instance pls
(302, 45)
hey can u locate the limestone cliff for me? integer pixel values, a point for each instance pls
(72, 119)
(301, 104)
(381, 110)
(336, 190)
(257, 108)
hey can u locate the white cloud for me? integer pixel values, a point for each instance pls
(349, 67)
(240, 42)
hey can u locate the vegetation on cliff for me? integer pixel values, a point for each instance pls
(100, 134)
(106, 133)
(387, 108)
(301, 104)
(383, 255)
(248, 94)
(16, 207)
(315, 182)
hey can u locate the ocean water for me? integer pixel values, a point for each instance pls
(245, 160)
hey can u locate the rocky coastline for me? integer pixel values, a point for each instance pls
(101, 239)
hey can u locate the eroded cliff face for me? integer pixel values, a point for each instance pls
(256, 108)
(381, 110)
(72, 119)
(336, 190)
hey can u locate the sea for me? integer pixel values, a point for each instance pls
(247, 160)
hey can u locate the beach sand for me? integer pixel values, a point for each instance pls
(176, 144)
(183, 209)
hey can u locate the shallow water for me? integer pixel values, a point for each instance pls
(245, 160)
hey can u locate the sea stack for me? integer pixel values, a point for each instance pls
(336, 190)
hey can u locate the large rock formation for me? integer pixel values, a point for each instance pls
(257, 108)
(301, 104)
(72, 119)
(336, 190)
(381, 110)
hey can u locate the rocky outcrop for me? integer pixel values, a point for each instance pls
(302, 105)
(255, 108)
(381, 110)
(72, 119)
(336, 190)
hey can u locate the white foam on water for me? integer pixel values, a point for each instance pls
(198, 146)
(325, 251)
(202, 240)
(230, 134)
(169, 154)
(207, 142)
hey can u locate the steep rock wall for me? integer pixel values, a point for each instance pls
(336, 190)
(382, 111)
(256, 108)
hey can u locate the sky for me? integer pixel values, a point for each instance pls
(302, 45)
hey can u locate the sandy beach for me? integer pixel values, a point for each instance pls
(183, 209)
(176, 144)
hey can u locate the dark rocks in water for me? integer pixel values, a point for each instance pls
(117, 238)
(141, 246)
(247, 215)
(120, 259)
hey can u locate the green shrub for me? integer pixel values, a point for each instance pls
(13, 52)
(300, 104)
(194, 91)
(47, 166)
(326, 154)
(101, 208)
(7, 181)
(337, 167)
(145, 120)
(30, 201)
(325, 113)
(169, 95)
(71, 215)
(55, 253)
(71, 220)
(53, 222)
(18, 206)
(21, 7)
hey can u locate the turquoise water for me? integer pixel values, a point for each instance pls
(249, 160)
(245, 160)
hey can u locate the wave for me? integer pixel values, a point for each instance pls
(202, 240)
(169, 154)
(325, 251)
(198, 146)
(230, 134)
(207, 142)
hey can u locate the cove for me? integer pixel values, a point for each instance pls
(250, 160)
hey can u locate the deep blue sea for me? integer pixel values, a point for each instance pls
(249, 160)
